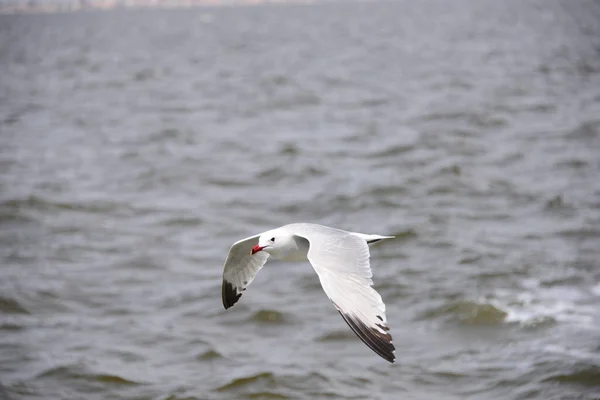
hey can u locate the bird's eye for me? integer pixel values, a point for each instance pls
(272, 239)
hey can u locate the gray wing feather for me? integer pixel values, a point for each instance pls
(240, 269)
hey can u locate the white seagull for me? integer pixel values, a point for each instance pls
(340, 258)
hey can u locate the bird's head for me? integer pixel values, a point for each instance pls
(274, 242)
(268, 241)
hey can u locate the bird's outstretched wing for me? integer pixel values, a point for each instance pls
(341, 260)
(240, 269)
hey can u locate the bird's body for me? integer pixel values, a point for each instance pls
(341, 260)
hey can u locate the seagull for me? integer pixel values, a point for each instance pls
(340, 259)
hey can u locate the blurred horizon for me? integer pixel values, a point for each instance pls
(52, 6)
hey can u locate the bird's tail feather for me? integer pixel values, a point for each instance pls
(372, 239)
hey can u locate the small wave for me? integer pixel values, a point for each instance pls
(536, 304)
(267, 395)
(278, 80)
(278, 174)
(76, 372)
(392, 151)
(229, 182)
(337, 336)
(382, 191)
(469, 312)
(405, 234)
(209, 355)
(10, 326)
(556, 202)
(582, 374)
(38, 203)
(526, 309)
(142, 262)
(475, 313)
(112, 379)
(11, 217)
(293, 101)
(264, 377)
(272, 173)
(588, 130)
(583, 233)
(289, 149)
(183, 221)
(547, 302)
(175, 396)
(12, 306)
(145, 74)
(479, 120)
(575, 163)
(269, 385)
(268, 317)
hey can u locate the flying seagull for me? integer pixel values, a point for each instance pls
(340, 258)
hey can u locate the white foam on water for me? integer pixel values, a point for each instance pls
(537, 304)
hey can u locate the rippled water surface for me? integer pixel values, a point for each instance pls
(136, 146)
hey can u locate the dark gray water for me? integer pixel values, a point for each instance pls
(136, 146)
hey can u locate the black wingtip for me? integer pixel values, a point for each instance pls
(230, 294)
(379, 342)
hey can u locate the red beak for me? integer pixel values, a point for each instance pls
(256, 249)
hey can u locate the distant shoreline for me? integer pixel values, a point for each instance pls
(26, 7)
